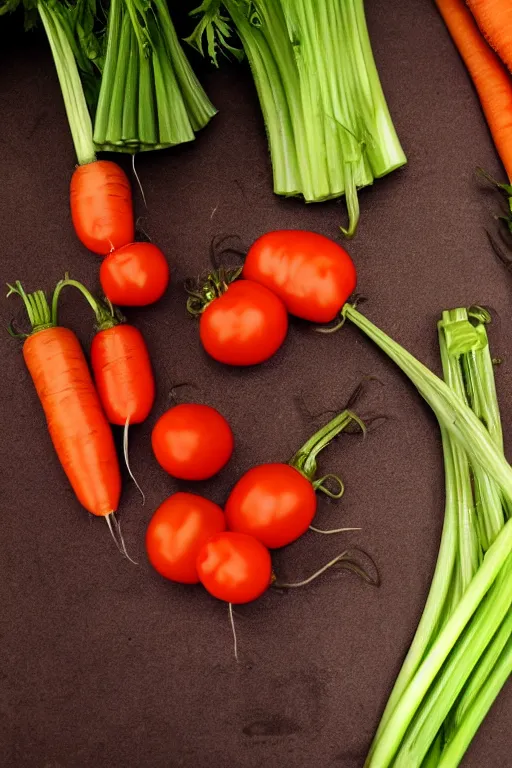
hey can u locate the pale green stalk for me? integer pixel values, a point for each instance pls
(461, 739)
(451, 679)
(71, 86)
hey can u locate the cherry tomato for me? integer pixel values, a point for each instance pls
(177, 532)
(192, 442)
(234, 567)
(134, 275)
(244, 326)
(314, 276)
(273, 502)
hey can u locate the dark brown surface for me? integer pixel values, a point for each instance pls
(103, 664)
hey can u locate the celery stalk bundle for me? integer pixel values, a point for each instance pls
(461, 655)
(327, 121)
(129, 89)
(149, 96)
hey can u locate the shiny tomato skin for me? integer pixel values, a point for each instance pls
(177, 532)
(192, 442)
(313, 275)
(234, 567)
(135, 275)
(275, 503)
(244, 326)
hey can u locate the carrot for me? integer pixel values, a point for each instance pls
(494, 17)
(491, 80)
(123, 374)
(101, 206)
(80, 433)
(121, 366)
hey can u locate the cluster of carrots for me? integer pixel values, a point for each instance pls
(78, 410)
(481, 31)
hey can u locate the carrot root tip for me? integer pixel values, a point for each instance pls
(126, 459)
(115, 532)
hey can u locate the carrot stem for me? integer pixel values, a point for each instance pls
(105, 316)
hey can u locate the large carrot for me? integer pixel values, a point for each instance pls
(101, 200)
(80, 433)
(494, 17)
(120, 363)
(491, 79)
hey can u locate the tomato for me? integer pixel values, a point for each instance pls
(273, 502)
(314, 276)
(234, 567)
(134, 275)
(177, 532)
(246, 325)
(192, 442)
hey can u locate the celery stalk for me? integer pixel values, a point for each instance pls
(461, 739)
(385, 748)
(70, 83)
(449, 683)
(319, 92)
(129, 129)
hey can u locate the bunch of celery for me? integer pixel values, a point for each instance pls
(149, 98)
(327, 120)
(461, 655)
(134, 83)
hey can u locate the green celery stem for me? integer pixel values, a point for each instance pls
(461, 739)
(454, 674)
(75, 104)
(385, 748)
(452, 414)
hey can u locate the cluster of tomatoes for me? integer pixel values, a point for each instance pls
(243, 321)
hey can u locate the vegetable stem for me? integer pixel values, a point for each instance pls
(71, 86)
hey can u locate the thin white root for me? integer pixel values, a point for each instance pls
(121, 540)
(333, 530)
(314, 575)
(232, 622)
(138, 181)
(118, 539)
(126, 459)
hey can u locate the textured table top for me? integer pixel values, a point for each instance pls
(104, 664)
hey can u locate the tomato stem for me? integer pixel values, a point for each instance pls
(203, 291)
(305, 459)
(106, 315)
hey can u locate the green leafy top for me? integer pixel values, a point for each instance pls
(217, 29)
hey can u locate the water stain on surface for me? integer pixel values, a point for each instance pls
(275, 726)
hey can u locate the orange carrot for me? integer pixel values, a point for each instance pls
(494, 17)
(123, 374)
(80, 433)
(491, 79)
(101, 206)
(121, 366)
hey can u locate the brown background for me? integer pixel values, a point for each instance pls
(104, 664)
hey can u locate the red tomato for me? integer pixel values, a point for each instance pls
(234, 567)
(244, 326)
(192, 442)
(314, 276)
(273, 502)
(134, 275)
(177, 532)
